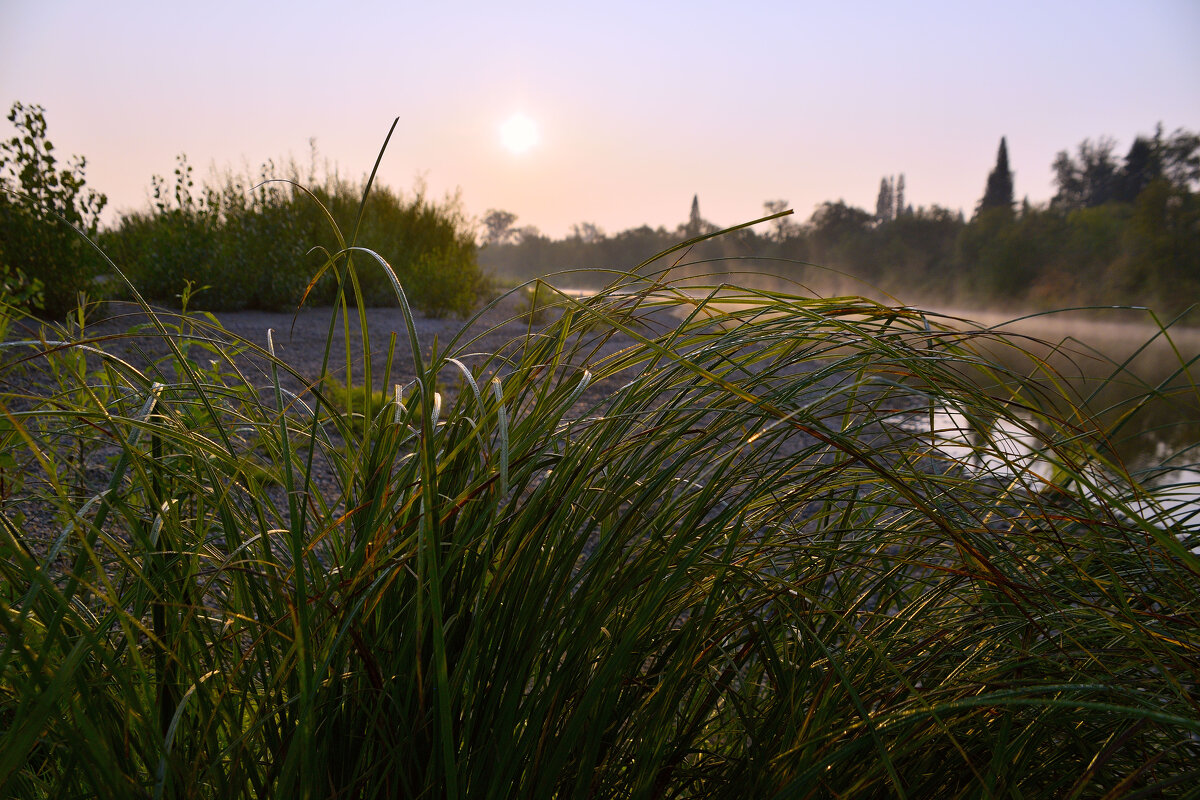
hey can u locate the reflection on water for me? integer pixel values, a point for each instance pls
(1174, 500)
(1123, 376)
(1120, 372)
(1007, 448)
(1012, 449)
(1107, 360)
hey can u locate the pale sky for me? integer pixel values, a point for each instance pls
(638, 105)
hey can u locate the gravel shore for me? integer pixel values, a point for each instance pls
(299, 338)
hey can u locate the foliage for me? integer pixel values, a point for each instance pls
(1142, 165)
(534, 301)
(728, 560)
(18, 290)
(254, 243)
(889, 205)
(784, 227)
(1114, 234)
(430, 243)
(696, 224)
(350, 400)
(498, 226)
(44, 261)
(999, 190)
(1161, 245)
(244, 241)
(1090, 179)
(1093, 177)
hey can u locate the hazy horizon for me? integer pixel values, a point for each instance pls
(636, 108)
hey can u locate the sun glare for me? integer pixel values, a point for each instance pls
(519, 134)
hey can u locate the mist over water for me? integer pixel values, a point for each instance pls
(1109, 360)
(1106, 360)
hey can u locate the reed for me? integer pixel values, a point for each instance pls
(726, 560)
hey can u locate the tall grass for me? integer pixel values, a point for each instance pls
(254, 242)
(725, 560)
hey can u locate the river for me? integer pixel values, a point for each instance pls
(1139, 383)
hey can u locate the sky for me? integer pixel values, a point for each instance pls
(638, 106)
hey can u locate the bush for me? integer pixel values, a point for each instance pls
(250, 243)
(44, 261)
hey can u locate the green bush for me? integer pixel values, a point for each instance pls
(171, 246)
(44, 261)
(251, 243)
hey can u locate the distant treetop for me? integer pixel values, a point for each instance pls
(999, 191)
(1094, 176)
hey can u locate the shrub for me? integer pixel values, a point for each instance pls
(44, 260)
(250, 242)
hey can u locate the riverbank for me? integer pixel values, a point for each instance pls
(247, 590)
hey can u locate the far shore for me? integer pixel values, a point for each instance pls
(1116, 331)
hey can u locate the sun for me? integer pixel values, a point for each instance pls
(519, 134)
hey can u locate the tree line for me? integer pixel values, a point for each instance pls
(1117, 231)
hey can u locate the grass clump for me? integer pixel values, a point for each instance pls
(716, 561)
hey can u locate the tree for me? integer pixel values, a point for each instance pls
(999, 190)
(1089, 179)
(529, 233)
(1180, 158)
(1142, 166)
(900, 210)
(587, 232)
(885, 202)
(696, 224)
(1161, 258)
(499, 225)
(36, 199)
(1093, 177)
(837, 226)
(785, 227)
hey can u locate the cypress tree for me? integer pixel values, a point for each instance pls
(885, 204)
(695, 222)
(999, 191)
